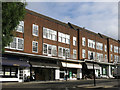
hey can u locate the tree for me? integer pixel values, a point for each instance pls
(12, 13)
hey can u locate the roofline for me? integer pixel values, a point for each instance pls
(47, 18)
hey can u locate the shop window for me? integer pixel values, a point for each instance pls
(35, 46)
(104, 71)
(35, 30)
(8, 72)
(20, 27)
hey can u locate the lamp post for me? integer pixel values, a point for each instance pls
(91, 58)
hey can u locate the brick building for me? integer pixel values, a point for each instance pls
(47, 49)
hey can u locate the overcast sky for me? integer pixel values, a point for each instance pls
(99, 17)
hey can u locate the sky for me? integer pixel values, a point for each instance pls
(99, 17)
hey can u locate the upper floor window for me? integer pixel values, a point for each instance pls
(35, 46)
(35, 30)
(90, 53)
(91, 43)
(99, 46)
(83, 53)
(74, 54)
(115, 49)
(20, 27)
(17, 43)
(49, 49)
(119, 50)
(99, 56)
(63, 52)
(74, 41)
(116, 58)
(49, 34)
(105, 48)
(64, 38)
(83, 41)
(111, 57)
(111, 48)
(105, 57)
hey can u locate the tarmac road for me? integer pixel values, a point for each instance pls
(101, 84)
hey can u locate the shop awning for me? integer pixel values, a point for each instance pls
(71, 65)
(90, 66)
(15, 63)
(43, 65)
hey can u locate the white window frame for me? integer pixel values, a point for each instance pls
(83, 41)
(105, 48)
(21, 24)
(115, 49)
(74, 54)
(83, 53)
(99, 46)
(91, 43)
(34, 29)
(74, 41)
(89, 54)
(32, 46)
(23, 43)
(111, 48)
(111, 59)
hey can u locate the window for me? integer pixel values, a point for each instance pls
(89, 54)
(35, 46)
(67, 39)
(49, 34)
(13, 44)
(20, 43)
(83, 53)
(115, 49)
(111, 57)
(35, 30)
(105, 48)
(49, 49)
(105, 57)
(17, 43)
(99, 57)
(64, 38)
(119, 50)
(74, 41)
(83, 41)
(99, 46)
(111, 48)
(91, 43)
(44, 48)
(74, 54)
(8, 72)
(20, 27)
(115, 58)
(63, 52)
(60, 51)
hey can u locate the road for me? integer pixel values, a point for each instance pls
(101, 84)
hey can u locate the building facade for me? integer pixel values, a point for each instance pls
(47, 49)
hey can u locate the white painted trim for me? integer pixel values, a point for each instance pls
(9, 79)
(20, 53)
(71, 65)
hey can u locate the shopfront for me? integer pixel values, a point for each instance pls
(43, 71)
(13, 69)
(89, 72)
(70, 71)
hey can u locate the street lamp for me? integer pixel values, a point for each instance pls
(91, 58)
